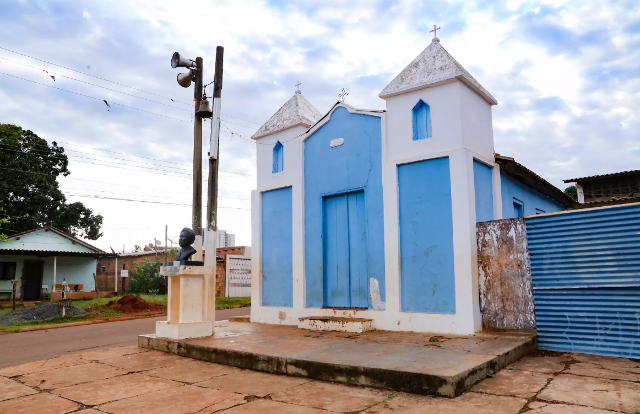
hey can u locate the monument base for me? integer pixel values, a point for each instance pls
(165, 329)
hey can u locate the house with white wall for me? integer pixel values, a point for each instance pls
(41, 259)
(372, 213)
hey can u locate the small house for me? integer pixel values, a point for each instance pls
(41, 259)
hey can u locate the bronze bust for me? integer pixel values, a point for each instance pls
(187, 237)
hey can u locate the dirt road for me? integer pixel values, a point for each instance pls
(23, 347)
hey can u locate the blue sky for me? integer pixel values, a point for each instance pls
(566, 75)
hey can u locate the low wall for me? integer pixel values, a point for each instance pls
(56, 296)
(504, 270)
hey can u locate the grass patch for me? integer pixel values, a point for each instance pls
(108, 313)
(228, 303)
(5, 310)
(54, 321)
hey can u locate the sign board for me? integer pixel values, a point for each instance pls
(124, 273)
(169, 270)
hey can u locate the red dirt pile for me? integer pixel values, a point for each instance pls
(134, 304)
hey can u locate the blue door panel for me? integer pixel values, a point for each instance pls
(426, 237)
(357, 251)
(345, 251)
(277, 248)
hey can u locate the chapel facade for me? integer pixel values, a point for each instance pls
(372, 213)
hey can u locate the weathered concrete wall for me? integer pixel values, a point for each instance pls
(506, 292)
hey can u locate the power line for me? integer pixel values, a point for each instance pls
(93, 97)
(96, 77)
(110, 81)
(96, 85)
(147, 201)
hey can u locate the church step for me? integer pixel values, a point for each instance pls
(336, 324)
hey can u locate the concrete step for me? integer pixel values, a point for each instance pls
(336, 324)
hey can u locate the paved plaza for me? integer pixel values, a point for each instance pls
(135, 380)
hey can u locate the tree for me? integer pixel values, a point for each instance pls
(29, 191)
(144, 278)
(3, 220)
(572, 191)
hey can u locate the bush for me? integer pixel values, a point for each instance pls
(145, 279)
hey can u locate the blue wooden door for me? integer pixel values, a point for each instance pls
(345, 252)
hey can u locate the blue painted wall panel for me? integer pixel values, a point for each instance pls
(483, 184)
(426, 237)
(277, 248)
(530, 198)
(354, 166)
(585, 268)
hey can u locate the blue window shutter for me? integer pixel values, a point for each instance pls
(278, 157)
(421, 121)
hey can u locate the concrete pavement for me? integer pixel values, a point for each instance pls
(20, 348)
(131, 380)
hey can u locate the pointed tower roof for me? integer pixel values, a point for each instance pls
(432, 67)
(297, 111)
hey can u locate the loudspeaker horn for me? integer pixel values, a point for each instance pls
(178, 61)
(184, 79)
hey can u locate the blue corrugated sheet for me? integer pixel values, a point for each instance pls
(585, 267)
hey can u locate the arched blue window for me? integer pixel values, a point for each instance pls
(421, 121)
(278, 157)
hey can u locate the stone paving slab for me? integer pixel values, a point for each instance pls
(113, 389)
(70, 375)
(45, 365)
(252, 383)
(42, 403)
(539, 407)
(331, 397)
(470, 403)
(593, 370)
(514, 383)
(623, 396)
(12, 389)
(143, 361)
(272, 407)
(404, 361)
(191, 371)
(547, 365)
(180, 400)
(119, 351)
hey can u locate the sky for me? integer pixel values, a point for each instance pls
(566, 75)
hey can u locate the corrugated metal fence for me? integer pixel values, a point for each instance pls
(238, 276)
(585, 267)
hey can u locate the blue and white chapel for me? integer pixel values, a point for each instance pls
(372, 213)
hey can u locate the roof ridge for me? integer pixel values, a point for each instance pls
(423, 72)
(296, 111)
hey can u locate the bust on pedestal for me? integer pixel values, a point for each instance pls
(191, 291)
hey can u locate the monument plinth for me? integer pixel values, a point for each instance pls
(191, 290)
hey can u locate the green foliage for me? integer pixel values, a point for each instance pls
(572, 192)
(144, 278)
(228, 303)
(4, 220)
(29, 191)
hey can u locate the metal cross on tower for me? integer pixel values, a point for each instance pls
(343, 95)
(298, 87)
(434, 31)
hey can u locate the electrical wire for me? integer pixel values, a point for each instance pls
(93, 76)
(93, 97)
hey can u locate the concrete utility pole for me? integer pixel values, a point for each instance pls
(166, 230)
(214, 145)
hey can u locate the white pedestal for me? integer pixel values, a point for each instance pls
(191, 298)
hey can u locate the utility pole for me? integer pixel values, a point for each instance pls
(197, 151)
(214, 145)
(166, 229)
